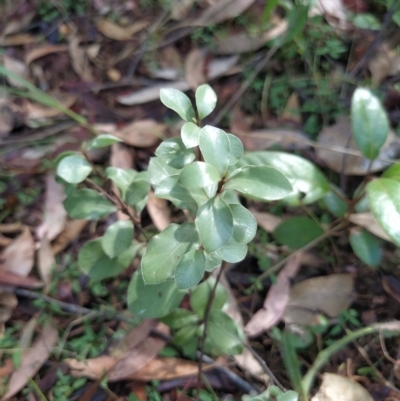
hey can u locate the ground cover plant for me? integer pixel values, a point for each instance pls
(210, 211)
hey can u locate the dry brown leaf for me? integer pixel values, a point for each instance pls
(116, 32)
(17, 67)
(46, 260)
(142, 133)
(276, 301)
(19, 22)
(71, 231)
(291, 113)
(41, 51)
(79, 58)
(7, 117)
(91, 368)
(19, 39)
(336, 387)
(327, 295)
(195, 68)
(180, 9)
(384, 63)
(159, 211)
(15, 280)
(266, 221)
(6, 368)
(368, 221)
(334, 11)
(8, 301)
(18, 257)
(32, 361)
(340, 135)
(391, 286)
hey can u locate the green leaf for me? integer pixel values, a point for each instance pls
(212, 261)
(384, 201)
(334, 204)
(185, 335)
(136, 192)
(190, 269)
(199, 175)
(98, 266)
(190, 135)
(121, 178)
(297, 19)
(180, 318)
(206, 99)
(165, 250)
(366, 21)
(214, 223)
(88, 204)
(244, 224)
(159, 171)
(201, 294)
(232, 251)
(103, 141)
(305, 177)
(173, 152)
(264, 183)
(214, 146)
(117, 238)
(179, 102)
(367, 247)
(288, 396)
(225, 333)
(74, 169)
(152, 301)
(392, 172)
(369, 122)
(236, 149)
(296, 232)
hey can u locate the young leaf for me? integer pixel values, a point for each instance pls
(232, 251)
(190, 269)
(103, 141)
(159, 170)
(136, 192)
(334, 204)
(384, 201)
(199, 175)
(88, 204)
(212, 261)
(152, 301)
(244, 224)
(206, 99)
(392, 172)
(214, 146)
(118, 238)
(74, 169)
(190, 135)
(173, 152)
(165, 250)
(264, 183)
(180, 318)
(236, 149)
(369, 122)
(121, 178)
(214, 223)
(179, 102)
(366, 246)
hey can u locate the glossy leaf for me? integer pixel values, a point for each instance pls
(165, 250)
(235, 148)
(214, 223)
(206, 99)
(366, 246)
(264, 183)
(159, 170)
(214, 146)
(190, 135)
(98, 266)
(244, 224)
(201, 294)
(384, 201)
(117, 238)
(288, 396)
(180, 318)
(369, 122)
(173, 152)
(309, 184)
(121, 178)
(296, 232)
(74, 169)
(88, 204)
(136, 192)
(179, 102)
(152, 301)
(199, 175)
(393, 172)
(190, 269)
(334, 204)
(232, 251)
(103, 141)
(212, 261)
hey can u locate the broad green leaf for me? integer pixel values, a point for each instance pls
(264, 183)
(117, 238)
(232, 251)
(98, 266)
(159, 171)
(214, 223)
(74, 169)
(206, 99)
(173, 152)
(190, 135)
(214, 146)
(334, 204)
(305, 177)
(225, 333)
(212, 261)
(384, 201)
(136, 192)
(366, 246)
(199, 175)
(190, 269)
(165, 250)
(244, 224)
(179, 102)
(121, 178)
(296, 232)
(288, 396)
(103, 141)
(185, 335)
(88, 204)
(180, 318)
(201, 294)
(230, 197)
(369, 122)
(152, 301)
(392, 172)
(235, 148)
(297, 19)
